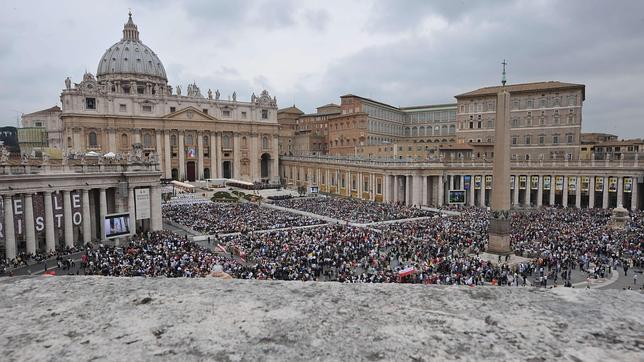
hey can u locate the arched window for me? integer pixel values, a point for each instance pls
(93, 142)
(244, 142)
(147, 140)
(226, 141)
(173, 140)
(124, 142)
(265, 142)
(205, 140)
(189, 140)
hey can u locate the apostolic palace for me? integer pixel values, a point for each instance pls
(120, 130)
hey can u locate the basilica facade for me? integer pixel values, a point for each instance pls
(195, 135)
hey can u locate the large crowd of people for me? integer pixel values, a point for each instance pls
(353, 210)
(220, 218)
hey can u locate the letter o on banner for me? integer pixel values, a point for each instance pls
(77, 218)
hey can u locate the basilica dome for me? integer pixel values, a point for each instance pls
(130, 59)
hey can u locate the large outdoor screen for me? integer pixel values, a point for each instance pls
(116, 225)
(457, 197)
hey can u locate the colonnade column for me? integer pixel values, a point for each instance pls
(441, 191)
(515, 192)
(591, 192)
(156, 221)
(425, 190)
(395, 195)
(69, 226)
(386, 194)
(528, 190)
(199, 156)
(30, 230)
(182, 157)
(634, 194)
(552, 190)
(87, 227)
(167, 153)
(50, 242)
(451, 182)
(540, 191)
(578, 192)
(472, 192)
(408, 190)
(417, 193)
(9, 231)
(102, 201)
(131, 209)
(564, 198)
(605, 193)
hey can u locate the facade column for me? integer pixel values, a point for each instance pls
(236, 157)
(199, 156)
(451, 182)
(30, 229)
(87, 227)
(136, 132)
(620, 191)
(408, 190)
(253, 140)
(50, 242)
(69, 226)
(396, 189)
(540, 191)
(167, 154)
(220, 163)
(213, 156)
(591, 192)
(441, 190)
(552, 191)
(156, 221)
(528, 190)
(605, 193)
(417, 191)
(634, 194)
(275, 158)
(9, 229)
(102, 201)
(159, 150)
(515, 192)
(578, 192)
(182, 156)
(471, 192)
(564, 198)
(131, 209)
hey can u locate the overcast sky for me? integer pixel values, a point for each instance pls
(309, 53)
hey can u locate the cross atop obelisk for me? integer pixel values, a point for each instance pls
(503, 80)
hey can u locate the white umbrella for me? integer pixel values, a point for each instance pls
(92, 154)
(110, 155)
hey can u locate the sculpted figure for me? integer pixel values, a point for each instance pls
(217, 94)
(68, 83)
(209, 94)
(178, 90)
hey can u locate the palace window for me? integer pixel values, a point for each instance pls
(555, 139)
(226, 113)
(93, 142)
(264, 113)
(173, 109)
(542, 139)
(226, 141)
(527, 140)
(122, 107)
(205, 110)
(146, 108)
(514, 140)
(570, 138)
(38, 124)
(90, 103)
(243, 115)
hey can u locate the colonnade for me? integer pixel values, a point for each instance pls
(78, 212)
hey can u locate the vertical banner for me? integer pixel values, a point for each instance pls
(628, 184)
(488, 182)
(477, 182)
(585, 183)
(523, 180)
(572, 184)
(191, 152)
(142, 203)
(534, 182)
(599, 183)
(512, 181)
(612, 184)
(559, 183)
(547, 181)
(467, 182)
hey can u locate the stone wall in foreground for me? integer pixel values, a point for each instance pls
(71, 318)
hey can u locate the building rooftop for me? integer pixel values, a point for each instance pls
(525, 87)
(48, 110)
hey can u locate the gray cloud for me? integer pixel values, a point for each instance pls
(390, 55)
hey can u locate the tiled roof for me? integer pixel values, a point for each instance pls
(524, 87)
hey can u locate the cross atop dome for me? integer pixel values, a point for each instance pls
(130, 30)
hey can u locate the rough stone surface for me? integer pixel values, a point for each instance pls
(119, 319)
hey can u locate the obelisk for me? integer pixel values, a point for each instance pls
(499, 229)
